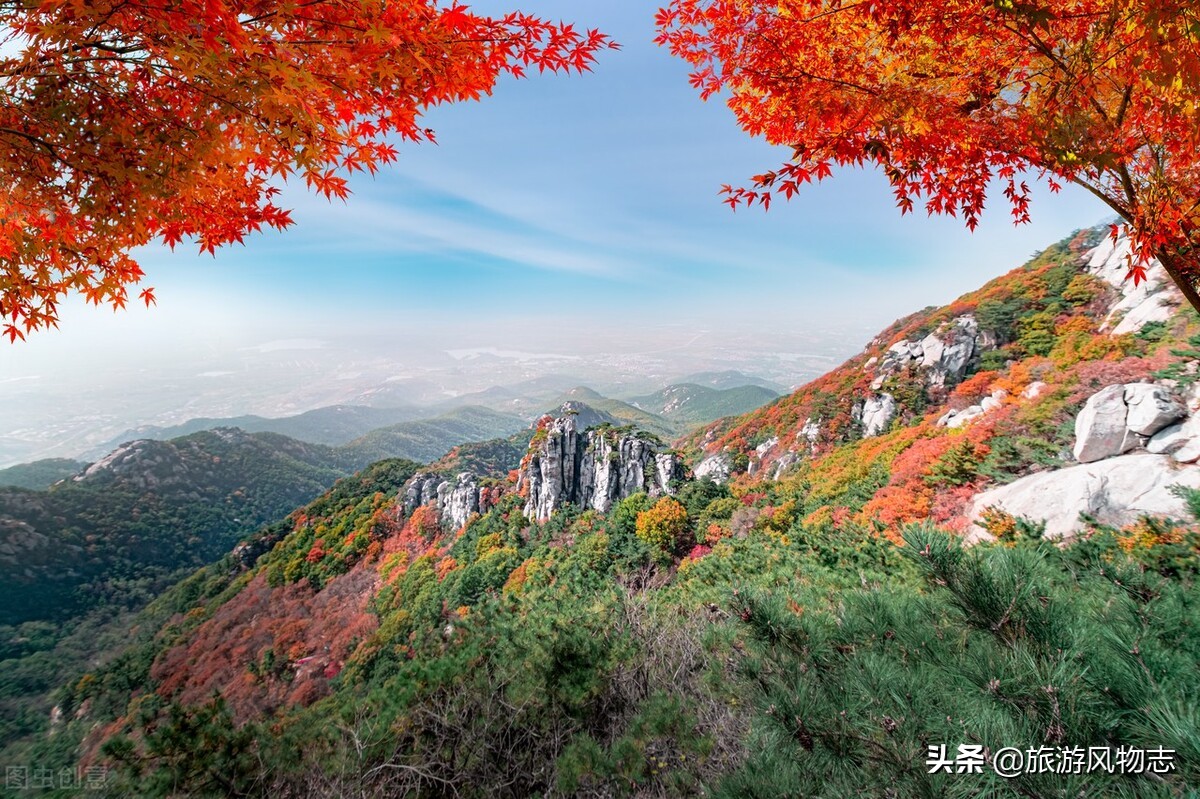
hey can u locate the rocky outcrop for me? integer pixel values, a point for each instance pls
(1033, 390)
(715, 467)
(1151, 300)
(958, 418)
(18, 538)
(1100, 430)
(585, 415)
(945, 355)
(953, 418)
(144, 464)
(456, 500)
(1113, 484)
(1121, 418)
(459, 500)
(877, 413)
(421, 490)
(1116, 491)
(785, 462)
(1181, 441)
(592, 469)
(762, 451)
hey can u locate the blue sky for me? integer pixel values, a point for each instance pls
(586, 199)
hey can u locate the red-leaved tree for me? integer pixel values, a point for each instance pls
(947, 97)
(126, 123)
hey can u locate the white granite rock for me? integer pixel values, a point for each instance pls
(1116, 491)
(1150, 408)
(1100, 429)
(877, 414)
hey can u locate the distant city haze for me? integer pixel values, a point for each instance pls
(68, 402)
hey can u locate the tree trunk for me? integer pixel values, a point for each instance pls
(1175, 268)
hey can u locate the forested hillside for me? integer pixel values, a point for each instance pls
(114, 532)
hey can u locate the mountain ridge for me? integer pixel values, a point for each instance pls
(691, 403)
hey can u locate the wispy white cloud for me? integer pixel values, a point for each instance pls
(412, 219)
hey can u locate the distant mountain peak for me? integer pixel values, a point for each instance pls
(584, 393)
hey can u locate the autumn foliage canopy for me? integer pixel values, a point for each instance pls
(127, 123)
(948, 97)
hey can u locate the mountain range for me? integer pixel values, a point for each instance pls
(427, 431)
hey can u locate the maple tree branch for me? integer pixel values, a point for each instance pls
(1104, 198)
(271, 14)
(1125, 100)
(838, 10)
(38, 141)
(1127, 185)
(801, 75)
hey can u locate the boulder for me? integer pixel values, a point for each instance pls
(1034, 389)
(1189, 452)
(1100, 428)
(933, 349)
(955, 419)
(1168, 440)
(1150, 408)
(1181, 441)
(1116, 491)
(990, 403)
(904, 351)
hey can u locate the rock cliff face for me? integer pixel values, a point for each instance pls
(1151, 300)
(591, 469)
(456, 500)
(877, 413)
(944, 356)
(715, 467)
